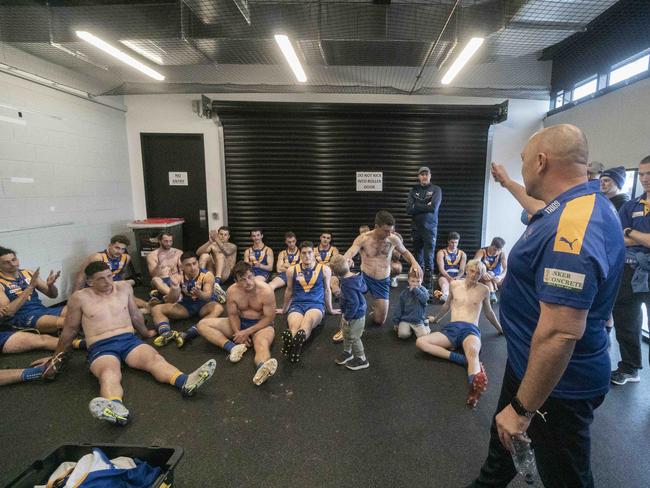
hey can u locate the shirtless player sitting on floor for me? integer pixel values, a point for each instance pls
(251, 315)
(466, 299)
(108, 315)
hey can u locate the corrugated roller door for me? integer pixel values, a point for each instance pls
(293, 167)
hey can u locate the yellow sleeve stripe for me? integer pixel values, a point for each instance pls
(573, 224)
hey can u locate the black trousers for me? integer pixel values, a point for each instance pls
(562, 444)
(424, 245)
(628, 321)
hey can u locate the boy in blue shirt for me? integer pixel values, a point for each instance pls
(410, 315)
(353, 309)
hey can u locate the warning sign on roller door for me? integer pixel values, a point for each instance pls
(369, 180)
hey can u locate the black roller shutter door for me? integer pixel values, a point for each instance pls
(292, 166)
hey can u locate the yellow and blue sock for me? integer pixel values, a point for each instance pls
(163, 327)
(228, 346)
(178, 379)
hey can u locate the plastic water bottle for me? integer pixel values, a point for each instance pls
(524, 459)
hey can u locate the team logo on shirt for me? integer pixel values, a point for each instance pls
(567, 241)
(562, 278)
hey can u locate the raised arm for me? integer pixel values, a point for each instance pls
(530, 204)
(205, 248)
(47, 287)
(9, 309)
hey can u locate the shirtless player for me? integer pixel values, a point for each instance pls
(117, 257)
(108, 314)
(466, 299)
(251, 315)
(376, 248)
(163, 263)
(218, 255)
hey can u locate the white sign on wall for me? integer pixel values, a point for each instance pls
(178, 178)
(369, 180)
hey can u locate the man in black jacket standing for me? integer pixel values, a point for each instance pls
(422, 204)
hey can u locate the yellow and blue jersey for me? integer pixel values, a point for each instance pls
(492, 261)
(189, 283)
(292, 258)
(324, 256)
(257, 257)
(15, 287)
(451, 261)
(635, 214)
(117, 265)
(308, 284)
(571, 254)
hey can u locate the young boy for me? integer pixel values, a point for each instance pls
(410, 315)
(353, 308)
(466, 298)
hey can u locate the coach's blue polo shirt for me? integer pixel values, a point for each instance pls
(635, 214)
(571, 254)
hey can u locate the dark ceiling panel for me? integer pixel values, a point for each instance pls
(375, 53)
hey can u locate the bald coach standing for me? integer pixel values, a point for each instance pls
(563, 276)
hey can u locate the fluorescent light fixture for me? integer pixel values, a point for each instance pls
(13, 120)
(465, 55)
(144, 51)
(116, 53)
(287, 49)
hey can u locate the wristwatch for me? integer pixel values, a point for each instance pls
(520, 409)
(627, 231)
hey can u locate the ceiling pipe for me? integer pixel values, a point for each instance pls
(433, 48)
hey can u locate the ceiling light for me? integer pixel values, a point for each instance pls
(144, 51)
(287, 49)
(465, 55)
(122, 56)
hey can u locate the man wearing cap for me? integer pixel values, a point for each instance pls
(422, 204)
(594, 170)
(611, 182)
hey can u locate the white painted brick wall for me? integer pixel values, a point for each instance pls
(76, 152)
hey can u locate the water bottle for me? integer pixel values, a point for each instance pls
(524, 459)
